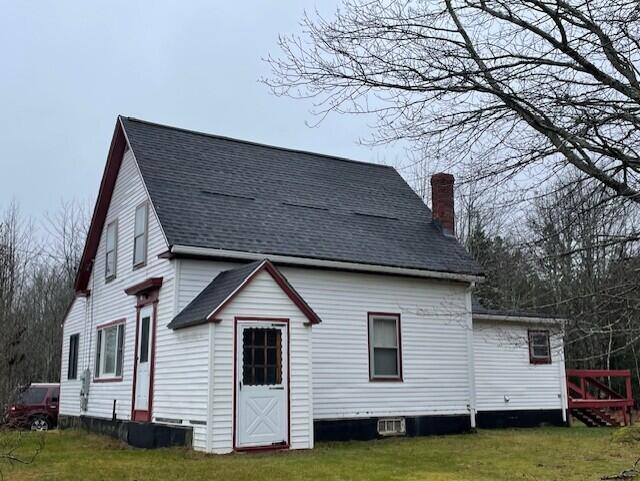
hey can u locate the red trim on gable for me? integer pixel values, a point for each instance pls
(291, 293)
(107, 184)
(284, 285)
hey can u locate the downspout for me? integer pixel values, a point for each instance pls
(470, 356)
(564, 402)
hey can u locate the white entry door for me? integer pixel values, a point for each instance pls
(143, 361)
(262, 390)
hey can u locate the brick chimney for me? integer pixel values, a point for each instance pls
(442, 202)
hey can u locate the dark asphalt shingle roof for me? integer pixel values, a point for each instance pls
(212, 296)
(216, 192)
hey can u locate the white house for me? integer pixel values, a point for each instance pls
(237, 296)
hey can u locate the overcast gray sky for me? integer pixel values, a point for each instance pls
(69, 67)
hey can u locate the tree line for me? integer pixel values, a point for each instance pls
(37, 269)
(570, 255)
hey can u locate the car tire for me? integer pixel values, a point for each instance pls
(40, 423)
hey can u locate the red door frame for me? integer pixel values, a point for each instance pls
(268, 447)
(143, 301)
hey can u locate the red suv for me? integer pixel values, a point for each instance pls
(36, 407)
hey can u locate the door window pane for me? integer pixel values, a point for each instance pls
(262, 356)
(144, 339)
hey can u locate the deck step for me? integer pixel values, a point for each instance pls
(595, 417)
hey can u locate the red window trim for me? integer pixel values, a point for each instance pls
(101, 327)
(532, 358)
(107, 379)
(372, 377)
(104, 325)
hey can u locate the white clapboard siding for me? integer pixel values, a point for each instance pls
(434, 331)
(502, 368)
(434, 340)
(70, 388)
(262, 297)
(108, 302)
(181, 380)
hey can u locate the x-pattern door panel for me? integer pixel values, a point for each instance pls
(261, 385)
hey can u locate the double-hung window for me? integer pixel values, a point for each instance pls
(539, 347)
(72, 368)
(140, 236)
(111, 251)
(109, 345)
(385, 352)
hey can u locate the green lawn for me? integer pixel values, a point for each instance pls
(535, 454)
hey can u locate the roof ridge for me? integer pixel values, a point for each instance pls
(258, 144)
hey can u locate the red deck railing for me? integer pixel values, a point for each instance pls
(589, 389)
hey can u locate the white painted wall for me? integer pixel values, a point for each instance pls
(329, 363)
(262, 297)
(434, 339)
(502, 368)
(70, 388)
(434, 328)
(108, 302)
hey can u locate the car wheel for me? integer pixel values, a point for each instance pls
(40, 423)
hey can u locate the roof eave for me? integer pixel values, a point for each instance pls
(184, 250)
(519, 319)
(278, 278)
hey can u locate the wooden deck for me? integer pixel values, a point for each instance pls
(595, 396)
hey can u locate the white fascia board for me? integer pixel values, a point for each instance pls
(339, 265)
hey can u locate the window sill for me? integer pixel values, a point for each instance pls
(385, 379)
(107, 379)
(139, 265)
(540, 361)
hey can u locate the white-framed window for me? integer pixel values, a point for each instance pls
(109, 346)
(140, 235)
(539, 347)
(385, 351)
(111, 251)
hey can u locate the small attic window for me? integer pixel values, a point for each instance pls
(140, 236)
(111, 251)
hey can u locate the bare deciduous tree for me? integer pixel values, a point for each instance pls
(36, 286)
(511, 86)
